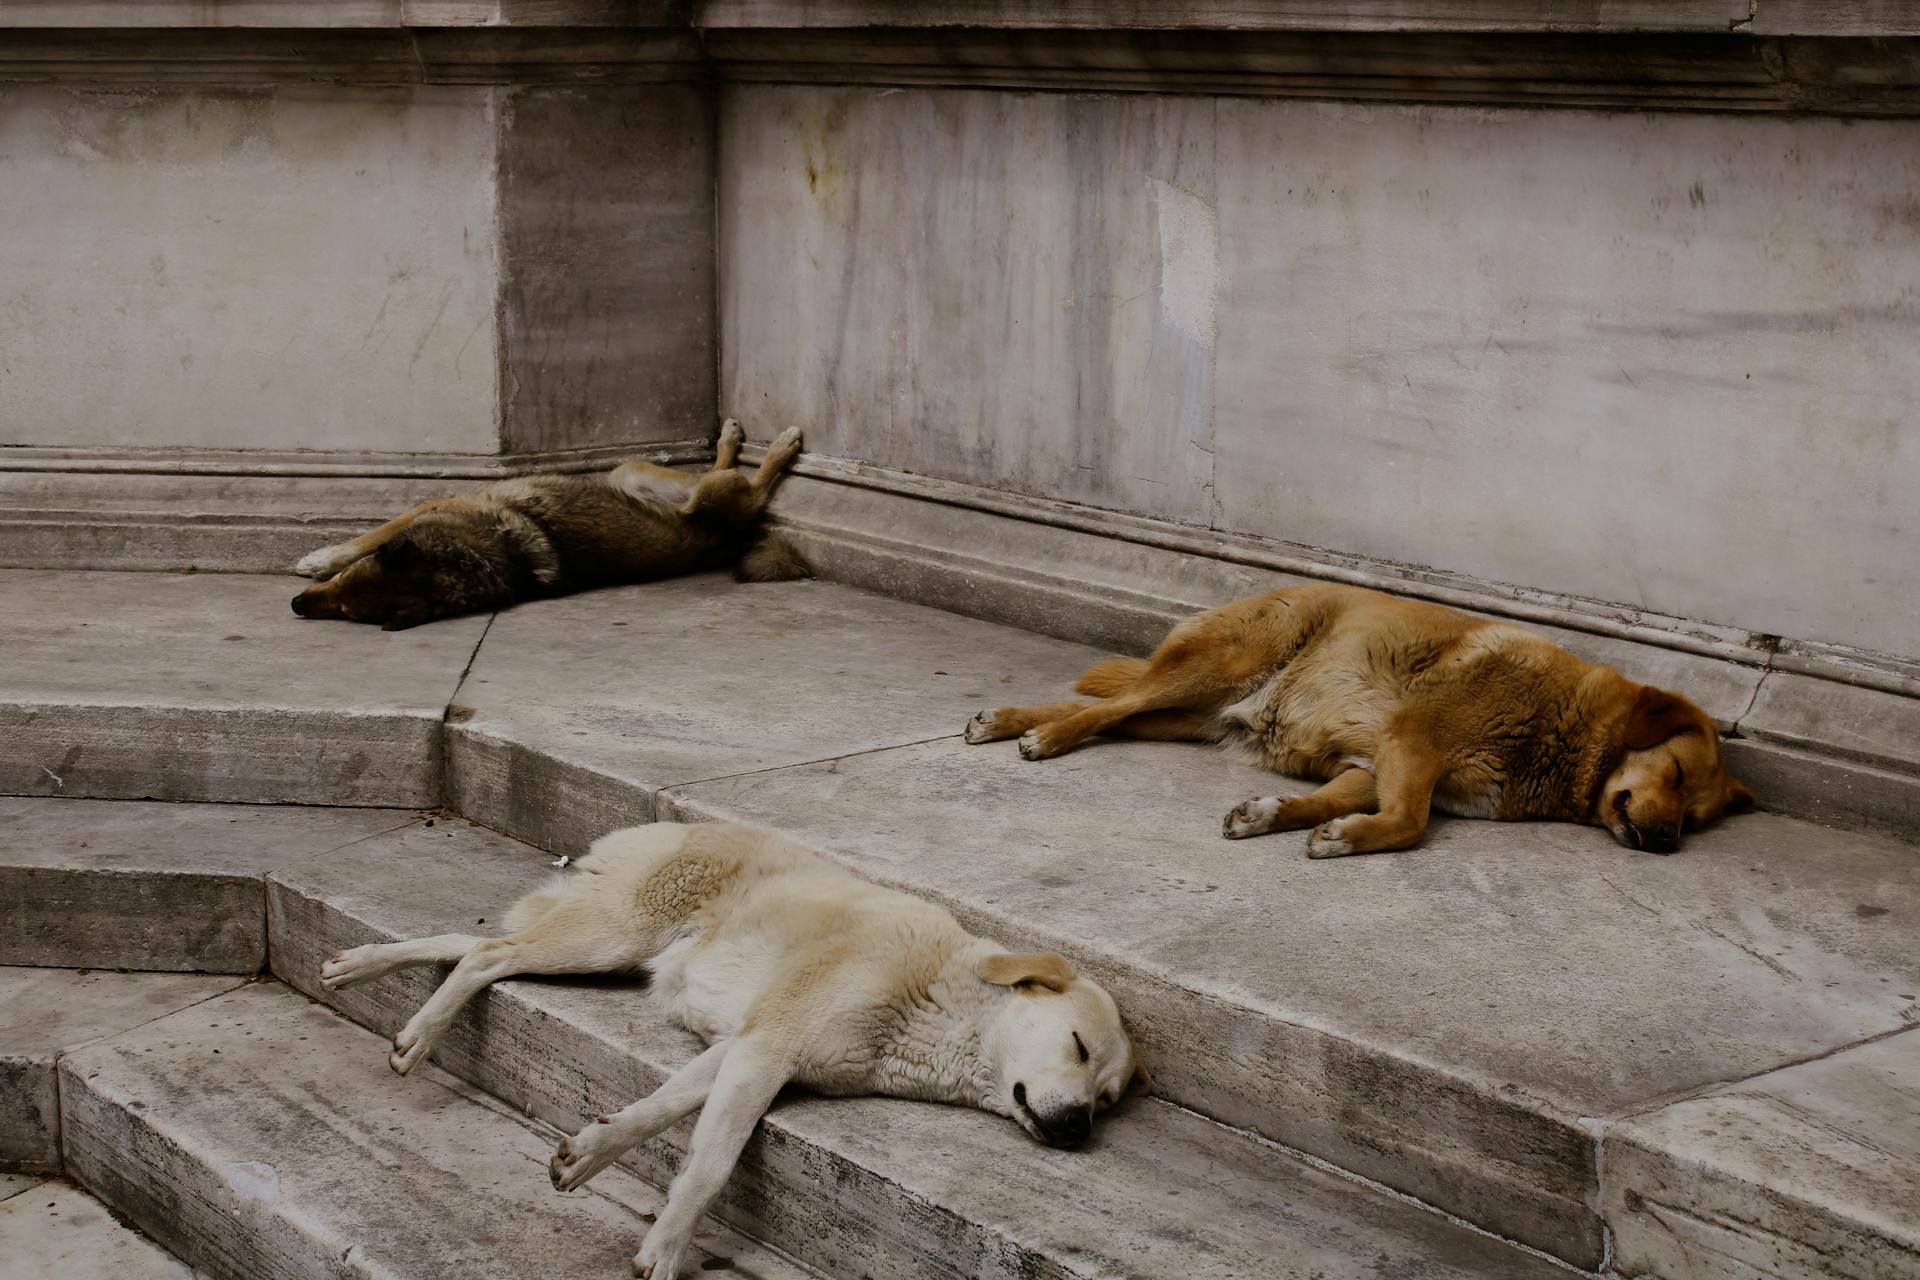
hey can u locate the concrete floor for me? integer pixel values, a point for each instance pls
(1477, 1022)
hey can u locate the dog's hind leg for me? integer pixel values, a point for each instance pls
(1011, 722)
(649, 481)
(586, 1153)
(1350, 792)
(575, 936)
(1148, 726)
(750, 1076)
(378, 959)
(780, 455)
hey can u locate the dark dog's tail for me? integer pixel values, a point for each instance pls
(1104, 679)
(771, 558)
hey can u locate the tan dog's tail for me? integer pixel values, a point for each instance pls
(771, 559)
(1115, 675)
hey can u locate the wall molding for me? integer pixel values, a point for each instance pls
(1793, 65)
(1885, 673)
(342, 463)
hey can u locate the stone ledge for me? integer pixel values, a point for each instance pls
(102, 884)
(262, 1137)
(1723, 17)
(48, 1013)
(1659, 60)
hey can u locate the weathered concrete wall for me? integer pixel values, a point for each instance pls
(283, 267)
(1666, 360)
(606, 224)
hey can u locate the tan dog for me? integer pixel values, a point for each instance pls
(794, 971)
(532, 536)
(1403, 706)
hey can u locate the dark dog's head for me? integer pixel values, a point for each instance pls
(1669, 776)
(422, 573)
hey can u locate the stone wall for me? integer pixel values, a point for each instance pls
(1664, 360)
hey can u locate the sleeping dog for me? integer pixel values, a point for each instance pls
(793, 971)
(1402, 706)
(547, 535)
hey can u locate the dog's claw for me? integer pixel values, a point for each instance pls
(980, 728)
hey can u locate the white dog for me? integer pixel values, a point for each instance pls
(793, 971)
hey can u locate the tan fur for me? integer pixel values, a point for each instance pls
(1402, 706)
(794, 971)
(550, 534)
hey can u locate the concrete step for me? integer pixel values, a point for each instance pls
(869, 1187)
(204, 687)
(48, 1013)
(143, 885)
(53, 1230)
(262, 1137)
(1466, 1022)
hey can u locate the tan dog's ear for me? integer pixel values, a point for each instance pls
(1739, 799)
(1042, 968)
(1656, 716)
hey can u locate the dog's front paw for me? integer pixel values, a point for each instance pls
(787, 441)
(731, 434)
(351, 968)
(984, 728)
(323, 563)
(1040, 744)
(1251, 818)
(661, 1254)
(410, 1048)
(577, 1159)
(1327, 841)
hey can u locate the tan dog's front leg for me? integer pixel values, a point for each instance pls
(1406, 769)
(748, 1080)
(1350, 792)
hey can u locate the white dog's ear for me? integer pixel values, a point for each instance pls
(1042, 969)
(1141, 1082)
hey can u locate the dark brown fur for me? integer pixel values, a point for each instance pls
(1402, 706)
(549, 535)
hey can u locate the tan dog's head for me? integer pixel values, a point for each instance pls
(1669, 776)
(1056, 1048)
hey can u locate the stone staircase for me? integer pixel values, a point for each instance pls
(1514, 1050)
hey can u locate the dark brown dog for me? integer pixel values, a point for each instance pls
(536, 536)
(1402, 706)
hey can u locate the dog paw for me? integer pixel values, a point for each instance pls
(578, 1158)
(350, 968)
(660, 1255)
(981, 728)
(318, 564)
(1038, 744)
(731, 434)
(409, 1049)
(1327, 840)
(1250, 818)
(787, 441)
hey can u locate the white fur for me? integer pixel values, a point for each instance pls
(1327, 841)
(1251, 818)
(325, 562)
